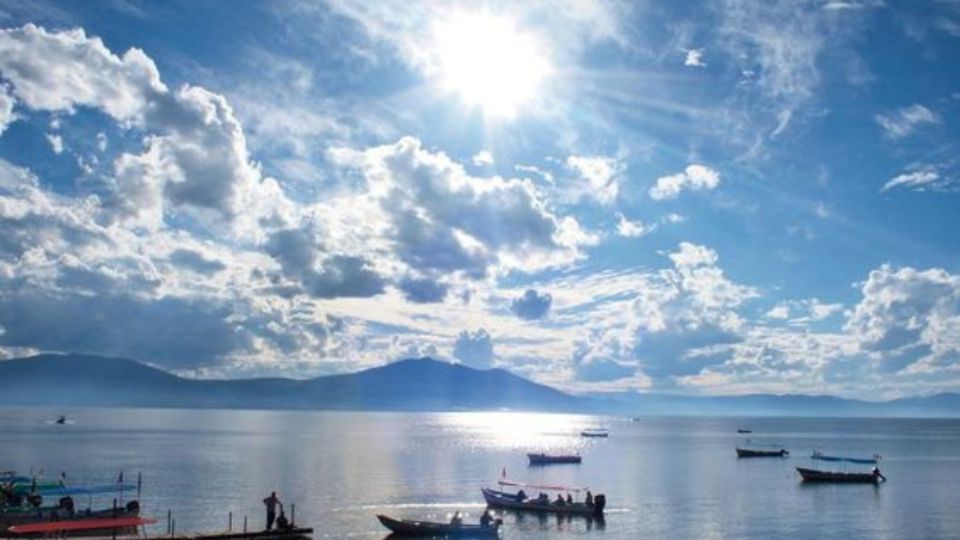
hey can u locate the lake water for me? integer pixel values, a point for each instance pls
(663, 477)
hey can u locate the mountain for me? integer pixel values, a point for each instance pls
(940, 405)
(414, 384)
(408, 385)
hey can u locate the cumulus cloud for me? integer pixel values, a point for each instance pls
(474, 349)
(601, 175)
(632, 229)
(532, 305)
(440, 219)
(196, 261)
(483, 158)
(694, 58)
(909, 318)
(902, 122)
(693, 178)
(195, 152)
(56, 142)
(6, 107)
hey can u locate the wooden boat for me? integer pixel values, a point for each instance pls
(406, 527)
(81, 527)
(515, 501)
(595, 432)
(551, 459)
(814, 475)
(756, 452)
(13, 517)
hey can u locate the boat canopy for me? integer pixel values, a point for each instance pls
(867, 461)
(85, 490)
(541, 486)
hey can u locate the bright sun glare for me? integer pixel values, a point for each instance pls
(489, 62)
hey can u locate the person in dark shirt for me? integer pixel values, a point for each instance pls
(271, 502)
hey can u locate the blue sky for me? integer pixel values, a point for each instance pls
(701, 198)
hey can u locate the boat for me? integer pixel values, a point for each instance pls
(551, 459)
(744, 431)
(406, 527)
(814, 475)
(756, 452)
(595, 432)
(62, 419)
(81, 527)
(497, 498)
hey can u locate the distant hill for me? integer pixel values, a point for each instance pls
(407, 385)
(940, 405)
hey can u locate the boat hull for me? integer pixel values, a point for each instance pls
(404, 527)
(10, 519)
(814, 475)
(508, 501)
(749, 452)
(546, 459)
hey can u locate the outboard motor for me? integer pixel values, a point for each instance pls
(133, 507)
(599, 501)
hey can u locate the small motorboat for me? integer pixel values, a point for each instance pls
(595, 433)
(762, 452)
(543, 504)
(552, 459)
(62, 419)
(744, 431)
(814, 475)
(407, 527)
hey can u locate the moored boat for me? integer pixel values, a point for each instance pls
(595, 432)
(407, 527)
(819, 455)
(815, 475)
(551, 459)
(80, 527)
(744, 431)
(761, 452)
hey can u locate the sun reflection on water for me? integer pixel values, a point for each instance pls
(519, 430)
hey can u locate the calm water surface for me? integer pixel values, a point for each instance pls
(663, 477)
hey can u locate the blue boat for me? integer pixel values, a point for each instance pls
(817, 454)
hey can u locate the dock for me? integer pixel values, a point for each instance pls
(295, 533)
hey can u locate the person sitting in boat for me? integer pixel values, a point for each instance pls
(542, 497)
(876, 474)
(35, 500)
(283, 523)
(455, 521)
(589, 499)
(485, 520)
(521, 496)
(66, 503)
(560, 501)
(569, 499)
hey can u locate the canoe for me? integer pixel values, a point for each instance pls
(406, 527)
(814, 475)
(510, 501)
(107, 524)
(548, 459)
(753, 452)
(594, 432)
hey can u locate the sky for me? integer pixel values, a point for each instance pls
(696, 198)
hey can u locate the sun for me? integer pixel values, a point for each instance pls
(489, 62)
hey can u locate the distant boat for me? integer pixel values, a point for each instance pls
(757, 452)
(595, 432)
(62, 419)
(550, 459)
(744, 431)
(814, 475)
(406, 527)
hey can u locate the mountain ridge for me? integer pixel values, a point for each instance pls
(413, 384)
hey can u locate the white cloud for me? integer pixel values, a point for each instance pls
(56, 142)
(601, 175)
(483, 158)
(7, 102)
(780, 311)
(918, 180)
(632, 229)
(902, 122)
(694, 58)
(694, 178)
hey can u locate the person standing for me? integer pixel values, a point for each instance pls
(271, 503)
